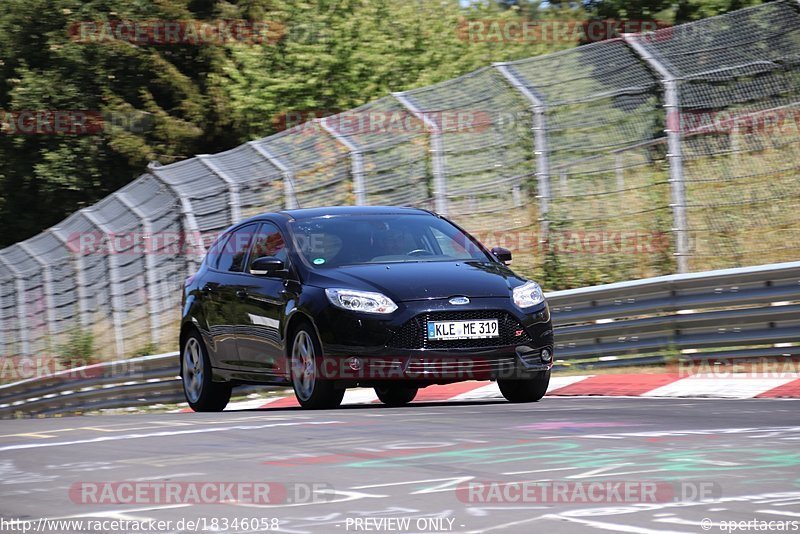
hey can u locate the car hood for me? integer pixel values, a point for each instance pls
(421, 280)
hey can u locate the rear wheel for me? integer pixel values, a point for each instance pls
(396, 395)
(202, 394)
(309, 388)
(526, 390)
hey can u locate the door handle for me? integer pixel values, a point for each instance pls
(241, 293)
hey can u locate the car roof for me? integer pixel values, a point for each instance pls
(310, 213)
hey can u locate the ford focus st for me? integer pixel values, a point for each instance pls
(325, 299)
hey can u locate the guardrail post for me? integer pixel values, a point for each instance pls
(115, 285)
(539, 111)
(189, 221)
(674, 154)
(22, 317)
(437, 152)
(289, 192)
(149, 266)
(47, 286)
(80, 280)
(233, 187)
(356, 162)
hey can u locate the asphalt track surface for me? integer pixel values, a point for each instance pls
(373, 463)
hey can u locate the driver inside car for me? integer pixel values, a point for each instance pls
(392, 242)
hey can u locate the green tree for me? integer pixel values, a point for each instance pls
(154, 101)
(338, 55)
(664, 10)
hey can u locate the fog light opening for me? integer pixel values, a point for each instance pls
(354, 363)
(546, 355)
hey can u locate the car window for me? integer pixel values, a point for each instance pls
(268, 242)
(212, 256)
(360, 239)
(450, 246)
(232, 255)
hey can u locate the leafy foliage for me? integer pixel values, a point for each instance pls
(166, 102)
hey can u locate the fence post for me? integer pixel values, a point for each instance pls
(539, 110)
(289, 193)
(80, 281)
(189, 220)
(437, 152)
(356, 162)
(674, 155)
(233, 187)
(149, 266)
(22, 318)
(47, 285)
(115, 285)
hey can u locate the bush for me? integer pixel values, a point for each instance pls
(78, 350)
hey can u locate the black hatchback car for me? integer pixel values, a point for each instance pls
(329, 298)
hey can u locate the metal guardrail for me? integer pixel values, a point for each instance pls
(666, 154)
(145, 380)
(749, 312)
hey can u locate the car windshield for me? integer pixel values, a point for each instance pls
(381, 238)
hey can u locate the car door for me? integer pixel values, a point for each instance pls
(222, 292)
(264, 304)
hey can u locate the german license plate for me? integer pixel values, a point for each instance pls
(444, 330)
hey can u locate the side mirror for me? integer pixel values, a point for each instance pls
(266, 266)
(502, 254)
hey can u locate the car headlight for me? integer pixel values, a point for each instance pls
(363, 301)
(528, 294)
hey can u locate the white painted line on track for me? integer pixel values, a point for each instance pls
(489, 391)
(359, 396)
(162, 434)
(728, 388)
(558, 382)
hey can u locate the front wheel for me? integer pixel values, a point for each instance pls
(202, 394)
(306, 356)
(526, 390)
(396, 395)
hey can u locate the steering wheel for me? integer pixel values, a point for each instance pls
(419, 252)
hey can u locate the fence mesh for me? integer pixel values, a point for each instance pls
(739, 92)
(609, 198)
(486, 151)
(393, 146)
(319, 166)
(563, 158)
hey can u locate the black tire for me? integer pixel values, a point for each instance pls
(305, 358)
(202, 394)
(526, 390)
(396, 395)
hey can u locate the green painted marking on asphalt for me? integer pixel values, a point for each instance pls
(674, 464)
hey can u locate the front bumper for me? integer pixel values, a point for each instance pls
(365, 349)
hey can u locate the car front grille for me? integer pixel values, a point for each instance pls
(458, 366)
(414, 333)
